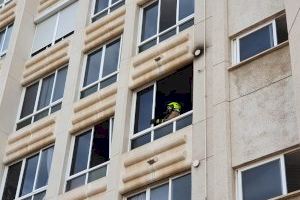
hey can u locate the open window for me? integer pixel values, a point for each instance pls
(104, 7)
(265, 37)
(5, 34)
(91, 153)
(270, 179)
(28, 179)
(153, 119)
(42, 98)
(162, 19)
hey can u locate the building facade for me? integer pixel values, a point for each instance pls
(85, 85)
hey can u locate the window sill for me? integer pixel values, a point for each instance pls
(288, 196)
(286, 43)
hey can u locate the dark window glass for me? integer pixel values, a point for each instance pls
(93, 67)
(24, 123)
(141, 196)
(46, 90)
(160, 193)
(140, 141)
(101, 5)
(41, 115)
(292, 167)
(186, 8)
(39, 196)
(181, 188)
(100, 148)
(7, 38)
(186, 25)
(97, 174)
(108, 82)
(167, 14)
(256, 42)
(167, 35)
(262, 182)
(76, 182)
(143, 112)
(44, 168)
(114, 1)
(149, 27)
(184, 122)
(29, 175)
(111, 59)
(89, 91)
(147, 45)
(281, 28)
(163, 131)
(81, 153)
(60, 84)
(29, 100)
(55, 108)
(11, 182)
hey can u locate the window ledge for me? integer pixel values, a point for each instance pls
(286, 43)
(288, 196)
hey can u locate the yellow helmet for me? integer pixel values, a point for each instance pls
(175, 105)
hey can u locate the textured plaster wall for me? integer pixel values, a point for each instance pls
(262, 108)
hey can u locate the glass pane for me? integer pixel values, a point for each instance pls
(143, 109)
(256, 42)
(7, 38)
(29, 175)
(149, 27)
(114, 1)
(44, 168)
(46, 91)
(100, 148)
(108, 82)
(111, 59)
(160, 193)
(262, 182)
(163, 131)
(1, 39)
(281, 28)
(100, 15)
(11, 182)
(140, 141)
(92, 67)
(76, 182)
(186, 25)
(55, 108)
(97, 174)
(41, 115)
(167, 14)
(181, 188)
(116, 6)
(292, 168)
(184, 122)
(100, 5)
(24, 123)
(89, 91)
(39, 196)
(147, 45)
(81, 153)
(186, 8)
(29, 100)
(141, 196)
(167, 35)
(60, 84)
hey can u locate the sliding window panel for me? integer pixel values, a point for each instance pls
(168, 12)
(29, 100)
(12, 180)
(44, 168)
(111, 58)
(44, 33)
(60, 84)
(7, 38)
(46, 91)
(186, 8)
(149, 27)
(29, 175)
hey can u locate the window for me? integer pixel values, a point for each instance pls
(270, 179)
(91, 155)
(104, 7)
(101, 68)
(177, 188)
(4, 2)
(4, 39)
(151, 106)
(164, 18)
(54, 29)
(28, 179)
(260, 40)
(42, 98)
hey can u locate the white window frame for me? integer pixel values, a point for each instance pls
(108, 8)
(239, 188)
(159, 34)
(152, 128)
(88, 170)
(35, 111)
(4, 3)
(34, 192)
(103, 47)
(148, 189)
(235, 43)
(3, 52)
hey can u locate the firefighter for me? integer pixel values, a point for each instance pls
(173, 110)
